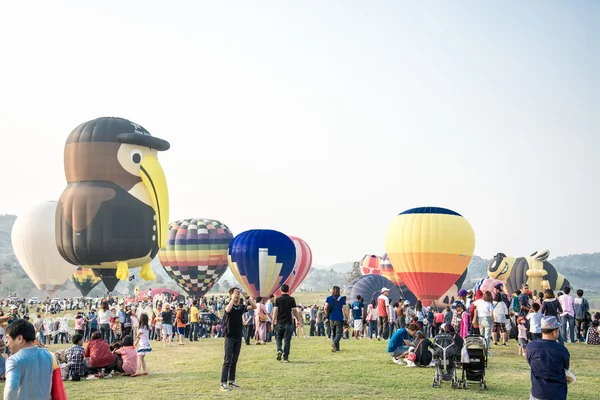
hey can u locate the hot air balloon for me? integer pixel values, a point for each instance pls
(113, 213)
(369, 265)
(35, 248)
(261, 260)
(387, 270)
(196, 254)
(487, 284)
(448, 298)
(369, 287)
(108, 277)
(85, 280)
(301, 266)
(430, 248)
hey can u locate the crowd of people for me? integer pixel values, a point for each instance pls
(112, 336)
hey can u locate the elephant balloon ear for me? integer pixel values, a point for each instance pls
(541, 255)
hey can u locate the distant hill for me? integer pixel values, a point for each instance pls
(582, 270)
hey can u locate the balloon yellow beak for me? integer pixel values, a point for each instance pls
(154, 178)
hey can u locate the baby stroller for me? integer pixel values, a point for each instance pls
(474, 370)
(446, 356)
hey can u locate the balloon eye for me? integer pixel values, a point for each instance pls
(136, 156)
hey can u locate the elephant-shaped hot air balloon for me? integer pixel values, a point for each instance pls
(114, 212)
(301, 266)
(85, 280)
(196, 254)
(534, 270)
(448, 298)
(35, 248)
(370, 265)
(430, 247)
(261, 260)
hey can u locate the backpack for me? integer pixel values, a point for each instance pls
(514, 305)
(184, 316)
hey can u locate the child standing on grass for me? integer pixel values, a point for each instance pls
(522, 336)
(116, 328)
(144, 345)
(535, 322)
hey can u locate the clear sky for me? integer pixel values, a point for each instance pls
(324, 119)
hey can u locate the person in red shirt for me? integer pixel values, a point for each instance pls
(97, 356)
(383, 306)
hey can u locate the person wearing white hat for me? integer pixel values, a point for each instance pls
(548, 360)
(383, 308)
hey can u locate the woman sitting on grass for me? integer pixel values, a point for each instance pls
(98, 357)
(128, 356)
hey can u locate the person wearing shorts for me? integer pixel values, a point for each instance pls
(180, 324)
(358, 314)
(499, 328)
(166, 317)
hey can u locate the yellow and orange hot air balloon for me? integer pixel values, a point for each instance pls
(430, 248)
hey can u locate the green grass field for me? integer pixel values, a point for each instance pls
(362, 369)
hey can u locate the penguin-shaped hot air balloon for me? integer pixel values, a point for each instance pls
(114, 212)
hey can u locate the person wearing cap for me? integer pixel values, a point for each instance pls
(383, 309)
(460, 319)
(548, 361)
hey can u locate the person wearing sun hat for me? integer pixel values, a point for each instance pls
(548, 361)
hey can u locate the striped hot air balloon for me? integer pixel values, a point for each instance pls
(196, 254)
(85, 280)
(370, 265)
(387, 270)
(301, 267)
(261, 260)
(430, 248)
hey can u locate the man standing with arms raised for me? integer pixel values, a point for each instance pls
(232, 332)
(283, 322)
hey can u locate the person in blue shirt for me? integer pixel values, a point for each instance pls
(400, 342)
(548, 361)
(337, 314)
(358, 314)
(29, 369)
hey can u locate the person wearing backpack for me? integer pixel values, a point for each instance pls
(582, 310)
(181, 319)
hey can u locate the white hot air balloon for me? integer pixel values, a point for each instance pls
(34, 244)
